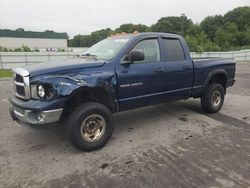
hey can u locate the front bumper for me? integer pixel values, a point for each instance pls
(35, 117)
(36, 112)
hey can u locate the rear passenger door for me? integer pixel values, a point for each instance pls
(179, 70)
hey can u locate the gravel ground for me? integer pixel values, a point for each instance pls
(168, 145)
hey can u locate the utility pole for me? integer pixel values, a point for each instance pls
(182, 24)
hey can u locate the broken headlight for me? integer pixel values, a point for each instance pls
(43, 91)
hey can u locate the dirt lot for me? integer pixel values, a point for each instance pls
(169, 145)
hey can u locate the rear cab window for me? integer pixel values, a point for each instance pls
(174, 50)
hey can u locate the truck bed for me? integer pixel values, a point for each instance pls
(204, 68)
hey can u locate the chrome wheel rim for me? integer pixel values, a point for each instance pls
(216, 98)
(93, 128)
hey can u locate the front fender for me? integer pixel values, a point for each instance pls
(66, 85)
(108, 84)
(62, 85)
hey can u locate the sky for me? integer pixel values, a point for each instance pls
(84, 16)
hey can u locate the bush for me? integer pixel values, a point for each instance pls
(36, 50)
(26, 49)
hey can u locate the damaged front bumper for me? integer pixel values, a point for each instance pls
(36, 112)
(35, 117)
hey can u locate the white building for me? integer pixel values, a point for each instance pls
(40, 40)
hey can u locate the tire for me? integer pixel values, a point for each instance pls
(90, 126)
(213, 98)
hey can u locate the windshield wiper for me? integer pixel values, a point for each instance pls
(89, 55)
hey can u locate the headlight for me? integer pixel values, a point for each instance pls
(43, 91)
(40, 91)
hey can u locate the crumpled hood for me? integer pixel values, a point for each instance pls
(62, 65)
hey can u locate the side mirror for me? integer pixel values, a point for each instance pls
(135, 55)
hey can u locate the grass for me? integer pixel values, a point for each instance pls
(5, 73)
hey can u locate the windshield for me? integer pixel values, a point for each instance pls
(106, 49)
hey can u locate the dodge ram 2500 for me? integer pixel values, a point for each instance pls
(118, 73)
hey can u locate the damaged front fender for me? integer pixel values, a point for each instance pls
(56, 86)
(62, 86)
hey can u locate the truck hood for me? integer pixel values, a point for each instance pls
(63, 65)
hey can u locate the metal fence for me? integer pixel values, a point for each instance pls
(9, 60)
(243, 55)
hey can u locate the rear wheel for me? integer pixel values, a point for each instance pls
(213, 98)
(90, 126)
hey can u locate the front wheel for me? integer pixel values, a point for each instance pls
(90, 126)
(213, 98)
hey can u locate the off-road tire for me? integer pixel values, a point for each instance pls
(207, 101)
(78, 116)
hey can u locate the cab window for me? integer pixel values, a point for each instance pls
(174, 50)
(151, 50)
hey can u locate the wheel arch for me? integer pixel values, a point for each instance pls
(90, 94)
(217, 76)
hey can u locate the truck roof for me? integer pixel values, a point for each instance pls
(145, 34)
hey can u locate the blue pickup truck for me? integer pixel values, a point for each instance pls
(121, 72)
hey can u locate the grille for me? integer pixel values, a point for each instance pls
(19, 78)
(21, 83)
(20, 90)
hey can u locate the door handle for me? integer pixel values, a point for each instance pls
(158, 70)
(124, 71)
(186, 68)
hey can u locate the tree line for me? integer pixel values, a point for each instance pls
(215, 33)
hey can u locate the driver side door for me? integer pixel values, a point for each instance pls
(140, 83)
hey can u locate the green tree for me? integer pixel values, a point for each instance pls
(130, 28)
(85, 41)
(227, 36)
(210, 24)
(99, 35)
(214, 33)
(76, 41)
(198, 41)
(49, 31)
(193, 44)
(173, 24)
(20, 29)
(247, 37)
(194, 29)
(240, 16)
